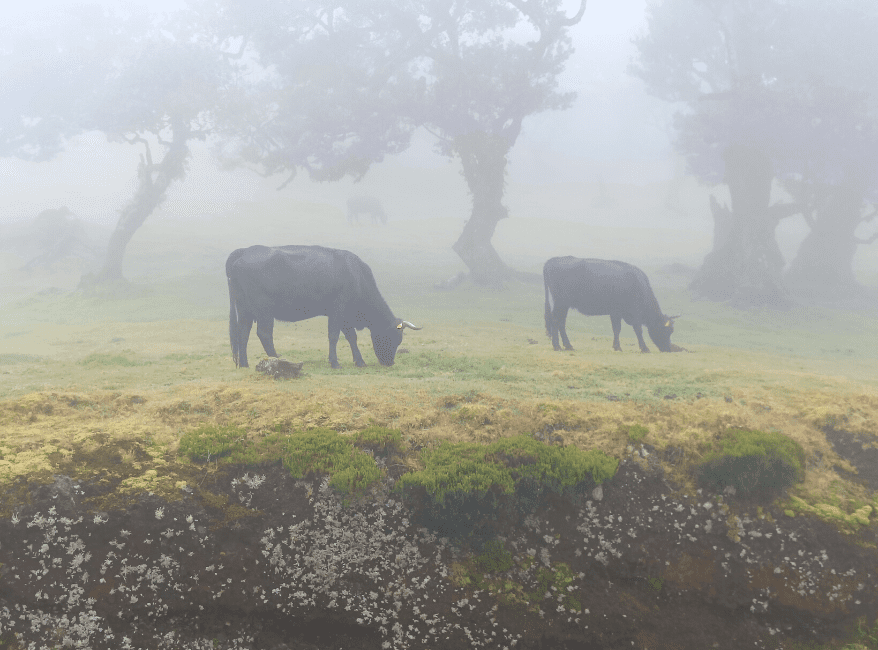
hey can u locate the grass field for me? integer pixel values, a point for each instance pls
(132, 369)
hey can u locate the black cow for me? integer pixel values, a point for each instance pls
(600, 288)
(369, 205)
(293, 283)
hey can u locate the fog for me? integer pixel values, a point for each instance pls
(608, 161)
(614, 133)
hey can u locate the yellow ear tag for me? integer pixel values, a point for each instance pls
(668, 324)
(399, 327)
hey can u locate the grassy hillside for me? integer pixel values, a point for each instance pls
(134, 368)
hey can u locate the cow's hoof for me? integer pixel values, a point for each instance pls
(568, 347)
(335, 366)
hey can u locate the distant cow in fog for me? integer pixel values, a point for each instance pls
(293, 283)
(600, 288)
(368, 205)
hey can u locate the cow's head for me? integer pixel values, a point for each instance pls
(661, 334)
(385, 342)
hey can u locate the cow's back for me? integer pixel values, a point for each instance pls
(594, 287)
(293, 282)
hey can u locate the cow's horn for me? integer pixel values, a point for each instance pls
(405, 324)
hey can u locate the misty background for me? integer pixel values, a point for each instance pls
(612, 159)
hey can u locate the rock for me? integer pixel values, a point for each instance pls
(279, 368)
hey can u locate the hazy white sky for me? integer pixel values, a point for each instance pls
(612, 132)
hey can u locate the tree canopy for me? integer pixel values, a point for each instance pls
(787, 83)
(340, 85)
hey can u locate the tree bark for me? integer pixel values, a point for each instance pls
(824, 262)
(483, 157)
(154, 180)
(745, 264)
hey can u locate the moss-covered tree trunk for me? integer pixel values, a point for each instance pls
(483, 157)
(154, 179)
(825, 259)
(745, 264)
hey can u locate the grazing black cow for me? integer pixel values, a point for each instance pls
(369, 205)
(600, 288)
(293, 283)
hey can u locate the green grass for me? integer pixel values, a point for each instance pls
(125, 359)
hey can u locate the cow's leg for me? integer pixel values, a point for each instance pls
(334, 330)
(617, 328)
(552, 327)
(561, 320)
(265, 332)
(351, 335)
(246, 324)
(638, 329)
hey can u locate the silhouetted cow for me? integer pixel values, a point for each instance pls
(369, 205)
(599, 288)
(293, 283)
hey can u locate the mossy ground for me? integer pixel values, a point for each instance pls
(109, 386)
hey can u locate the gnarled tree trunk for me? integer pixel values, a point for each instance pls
(825, 258)
(483, 157)
(154, 180)
(745, 264)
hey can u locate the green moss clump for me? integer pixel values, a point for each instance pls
(465, 484)
(209, 442)
(494, 558)
(380, 439)
(457, 467)
(753, 462)
(470, 467)
(551, 465)
(637, 432)
(319, 451)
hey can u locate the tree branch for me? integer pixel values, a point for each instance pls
(288, 181)
(440, 137)
(569, 22)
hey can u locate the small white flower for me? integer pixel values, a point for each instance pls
(99, 520)
(159, 513)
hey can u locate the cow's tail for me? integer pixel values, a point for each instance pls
(235, 334)
(550, 318)
(234, 324)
